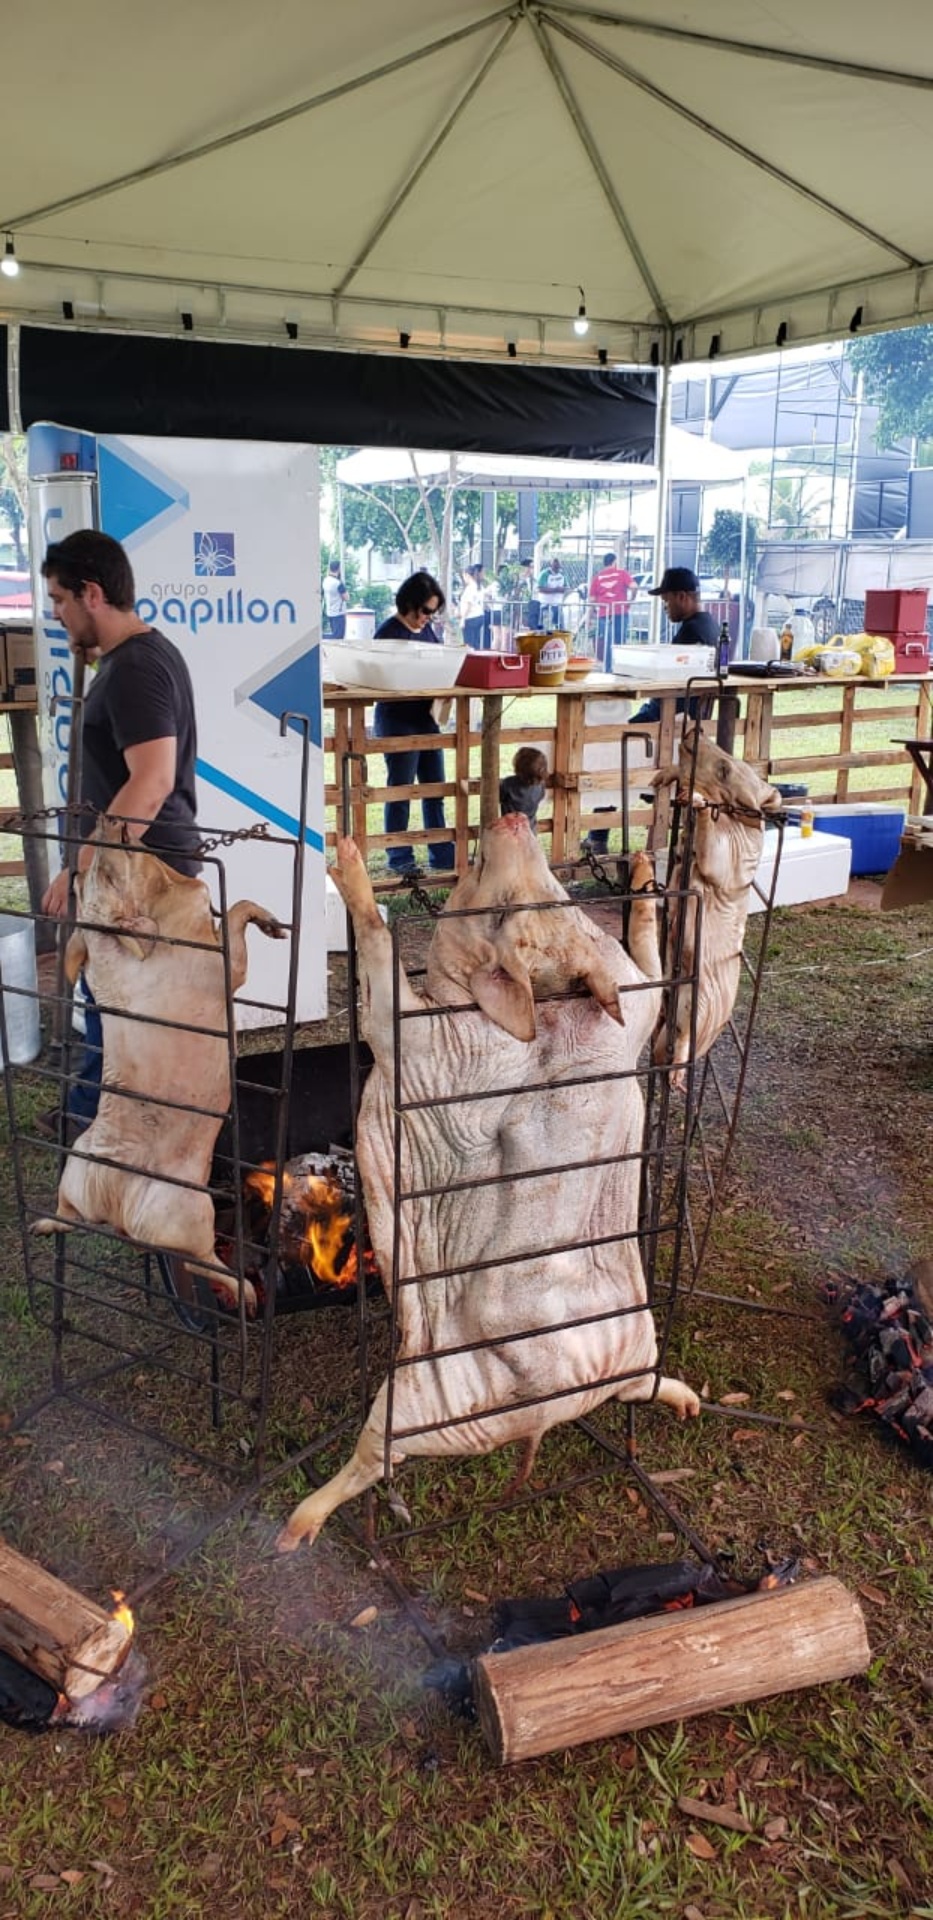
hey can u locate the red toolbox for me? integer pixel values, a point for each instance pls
(911, 652)
(896, 611)
(495, 670)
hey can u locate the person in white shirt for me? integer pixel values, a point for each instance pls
(552, 585)
(473, 607)
(335, 600)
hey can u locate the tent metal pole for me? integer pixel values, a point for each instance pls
(786, 56)
(684, 112)
(224, 140)
(662, 463)
(412, 178)
(598, 165)
(743, 583)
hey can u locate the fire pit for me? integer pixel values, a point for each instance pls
(316, 1264)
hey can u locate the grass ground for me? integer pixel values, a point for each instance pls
(289, 1763)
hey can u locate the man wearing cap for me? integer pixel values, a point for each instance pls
(680, 592)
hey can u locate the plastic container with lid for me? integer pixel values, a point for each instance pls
(548, 653)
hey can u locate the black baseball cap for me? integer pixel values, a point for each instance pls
(677, 580)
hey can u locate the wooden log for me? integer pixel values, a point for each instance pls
(668, 1667)
(53, 1630)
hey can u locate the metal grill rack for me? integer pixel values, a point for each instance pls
(125, 1317)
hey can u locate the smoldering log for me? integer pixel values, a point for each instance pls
(54, 1631)
(668, 1666)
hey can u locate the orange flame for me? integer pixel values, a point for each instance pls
(123, 1613)
(319, 1224)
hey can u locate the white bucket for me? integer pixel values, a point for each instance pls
(361, 623)
(18, 969)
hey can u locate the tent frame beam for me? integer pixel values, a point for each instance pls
(412, 178)
(595, 158)
(13, 223)
(755, 50)
(757, 160)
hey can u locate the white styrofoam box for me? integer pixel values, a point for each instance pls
(673, 664)
(391, 666)
(815, 867)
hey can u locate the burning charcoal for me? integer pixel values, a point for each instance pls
(113, 1705)
(26, 1700)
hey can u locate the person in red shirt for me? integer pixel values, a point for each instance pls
(611, 592)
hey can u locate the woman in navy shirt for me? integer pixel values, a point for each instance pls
(418, 600)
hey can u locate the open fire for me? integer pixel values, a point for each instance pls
(64, 1661)
(316, 1242)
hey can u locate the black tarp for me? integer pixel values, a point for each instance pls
(130, 383)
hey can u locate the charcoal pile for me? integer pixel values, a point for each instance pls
(889, 1327)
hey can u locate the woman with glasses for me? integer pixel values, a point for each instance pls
(418, 601)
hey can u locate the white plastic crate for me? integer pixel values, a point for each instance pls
(391, 666)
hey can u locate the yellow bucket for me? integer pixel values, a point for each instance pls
(548, 656)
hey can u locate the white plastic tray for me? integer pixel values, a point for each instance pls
(674, 664)
(395, 666)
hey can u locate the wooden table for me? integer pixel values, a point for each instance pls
(907, 698)
(921, 753)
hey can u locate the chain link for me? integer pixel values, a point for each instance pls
(20, 822)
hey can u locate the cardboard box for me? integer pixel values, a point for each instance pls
(21, 665)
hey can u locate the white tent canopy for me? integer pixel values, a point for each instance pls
(688, 459)
(707, 172)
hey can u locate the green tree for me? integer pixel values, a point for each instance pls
(897, 369)
(722, 548)
(13, 493)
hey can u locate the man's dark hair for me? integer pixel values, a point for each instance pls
(89, 555)
(530, 767)
(609, 559)
(416, 591)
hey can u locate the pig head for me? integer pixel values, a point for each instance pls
(519, 1120)
(729, 801)
(135, 907)
(512, 949)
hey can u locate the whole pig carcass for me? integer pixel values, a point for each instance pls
(569, 1328)
(729, 800)
(144, 905)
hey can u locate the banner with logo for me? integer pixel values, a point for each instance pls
(223, 540)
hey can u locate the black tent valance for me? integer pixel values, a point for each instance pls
(133, 383)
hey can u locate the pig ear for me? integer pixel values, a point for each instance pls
(605, 989)
(504, 993)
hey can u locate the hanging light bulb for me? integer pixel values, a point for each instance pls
(581, 324)
(9, 264)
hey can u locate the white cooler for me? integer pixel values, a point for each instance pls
(813, 868)
(391, 666)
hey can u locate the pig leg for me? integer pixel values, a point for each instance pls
(643, 923)
(671, 1393)
(243, 915)
(362, 1470)
(523, 1466)
(374, 947)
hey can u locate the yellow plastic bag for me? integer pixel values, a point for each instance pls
(876, 653)
(836, 658)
